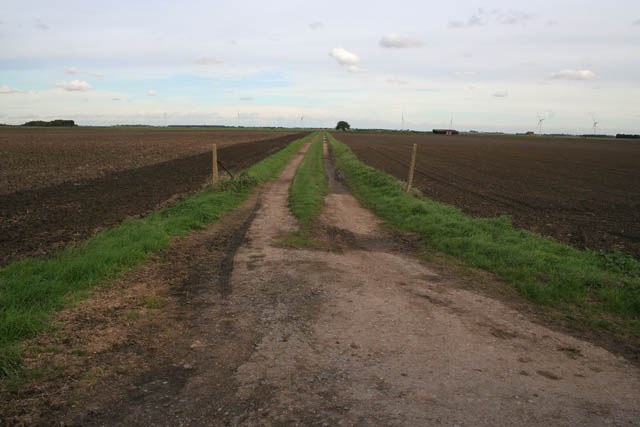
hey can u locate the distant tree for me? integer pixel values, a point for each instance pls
(342, 125)
(54, 123)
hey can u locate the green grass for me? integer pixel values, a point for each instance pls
(309, 186)
(297, 239)
(603, 285)
(33, 289)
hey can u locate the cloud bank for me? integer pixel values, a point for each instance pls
(6, 90)
(74, 86)
(573, 75)
(395, 41)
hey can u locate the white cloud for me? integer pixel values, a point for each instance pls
(636, 23)
(573, 75)
(152, 93)
(74, 86)
(397, 81)
(74, 70)
(552, 23)
(500, 94)
(246, 98)
(316, 25)
(207, 60)
(356, 69)
(343, 56)
(6, 90)
(398, 42)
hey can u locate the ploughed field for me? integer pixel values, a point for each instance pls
(59, 186)
(584, 192)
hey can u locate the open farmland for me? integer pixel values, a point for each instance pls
(61, 186)
(33, 158)
(582, 192)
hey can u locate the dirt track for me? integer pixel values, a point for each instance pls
(358, 333)
(582, 192)
(41, 221)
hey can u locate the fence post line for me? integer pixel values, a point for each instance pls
(412, 168)
(214, 166)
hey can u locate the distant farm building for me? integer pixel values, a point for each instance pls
(530, 133)
(445, 131)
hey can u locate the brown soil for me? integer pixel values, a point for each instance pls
(42, 220)
(362, 334)
(32, 158)
(582, 192)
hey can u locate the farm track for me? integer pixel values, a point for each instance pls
(44, 220)
(358, 332)
(581, 192)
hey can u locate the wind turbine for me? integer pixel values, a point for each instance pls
(301, 120)
(402, 125)
(540, 120)
(595, 123)
(238, 118)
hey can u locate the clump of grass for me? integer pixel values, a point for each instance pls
(155, 301)
(309, 186)
(297, 239)
(32, 289)
(600, 284)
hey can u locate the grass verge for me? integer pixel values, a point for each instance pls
(31, 290)
(603, 286)
(309, 186)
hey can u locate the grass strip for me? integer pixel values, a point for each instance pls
(604, 286)
(31, 290)
(309, 186)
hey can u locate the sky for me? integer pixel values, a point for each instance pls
(475, 65)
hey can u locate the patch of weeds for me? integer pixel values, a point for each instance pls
(39, 372)
(617, 261)
(80, 353)
(133, 315)
(51, 348)
(155, 301)
(297, 240)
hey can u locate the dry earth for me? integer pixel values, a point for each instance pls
(357, 333)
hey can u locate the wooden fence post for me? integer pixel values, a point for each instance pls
(412, 167)
(214, 166)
